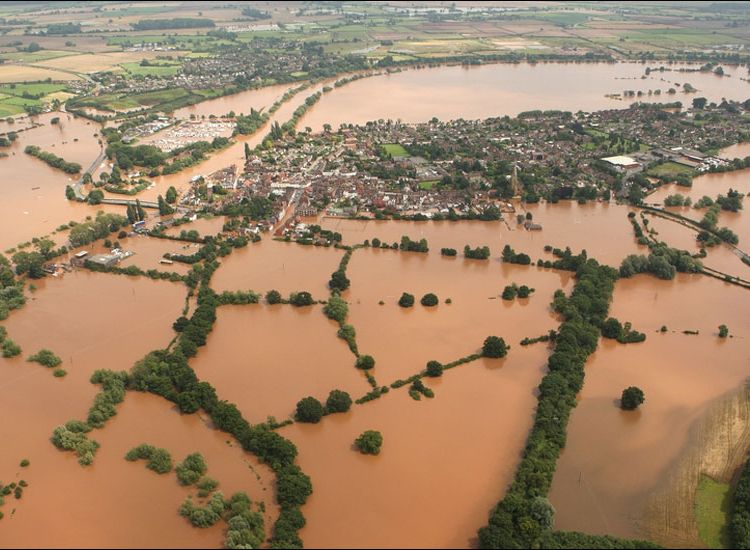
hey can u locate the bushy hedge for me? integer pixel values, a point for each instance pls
(157, 459)
(739, 525)
(515, 521)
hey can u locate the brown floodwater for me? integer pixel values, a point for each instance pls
(242, 102)
(286, 267)
(443, 465)
(209, 225)
(95, 321)
(148, 251)
(739, 150)
(266, 358)
(567, 223)
(712, 185)
(507, 89)
(615, 459)
(32, 194)
(403, 340)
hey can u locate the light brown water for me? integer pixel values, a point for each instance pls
(32, 194)
(567, 223)
(286, 267)
(148, 251)
(266, 358)
(242, 102)
(403, 340)
(615, 459)
(740, 150)
(507, 89)
(204, 226)
(443, 464)
(712, 185)
(95, 321)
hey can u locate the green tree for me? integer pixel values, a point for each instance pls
(699, 102)
(96, 196)
(494, 347)
(338, 281)
(365, 362)
(336, 308)
(164, 208)
(611, 328)
(300, 299)
(434, 369)
(406, 300)
(632, 398)
(429, 300)
(723, 331)
(338, 401)
(171, 195)
(46, 358)
(309, 410)
(273, 297)
(369, 442)
(30, 263)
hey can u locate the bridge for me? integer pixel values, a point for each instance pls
(126, 202)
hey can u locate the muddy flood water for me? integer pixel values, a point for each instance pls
(96, 321)
(507, 89)
(615, 459)
(445, 461)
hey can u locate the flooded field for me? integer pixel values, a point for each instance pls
(712, 185)
(32, 194)
(567, 223)
(445, 461)
(95, 321)
(209, 225)
(402, 340)
(149, 251)
(477, 423)
(242, 102)
(266, 358)
(615, 459)
(507, 89)
(286, 267)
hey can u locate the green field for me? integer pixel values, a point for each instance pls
(395, 150)
(12, 101)
(162, 69)
(33, 57)
(35, 88)
(427, 185)
(712, 509)
(670, 170)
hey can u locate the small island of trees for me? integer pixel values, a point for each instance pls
(369, 442)
(494, 347)
(632, 398)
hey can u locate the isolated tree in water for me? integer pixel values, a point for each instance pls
(632, 398)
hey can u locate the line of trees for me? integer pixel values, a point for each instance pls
(53, 160)
(524, 517)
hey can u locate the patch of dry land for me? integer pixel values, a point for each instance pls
(20, 73)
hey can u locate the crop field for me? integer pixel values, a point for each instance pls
(33, 57)
(96, 62)
(160, 69)
(20, 73)
(712, 511)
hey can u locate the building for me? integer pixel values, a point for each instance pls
(623, 164)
